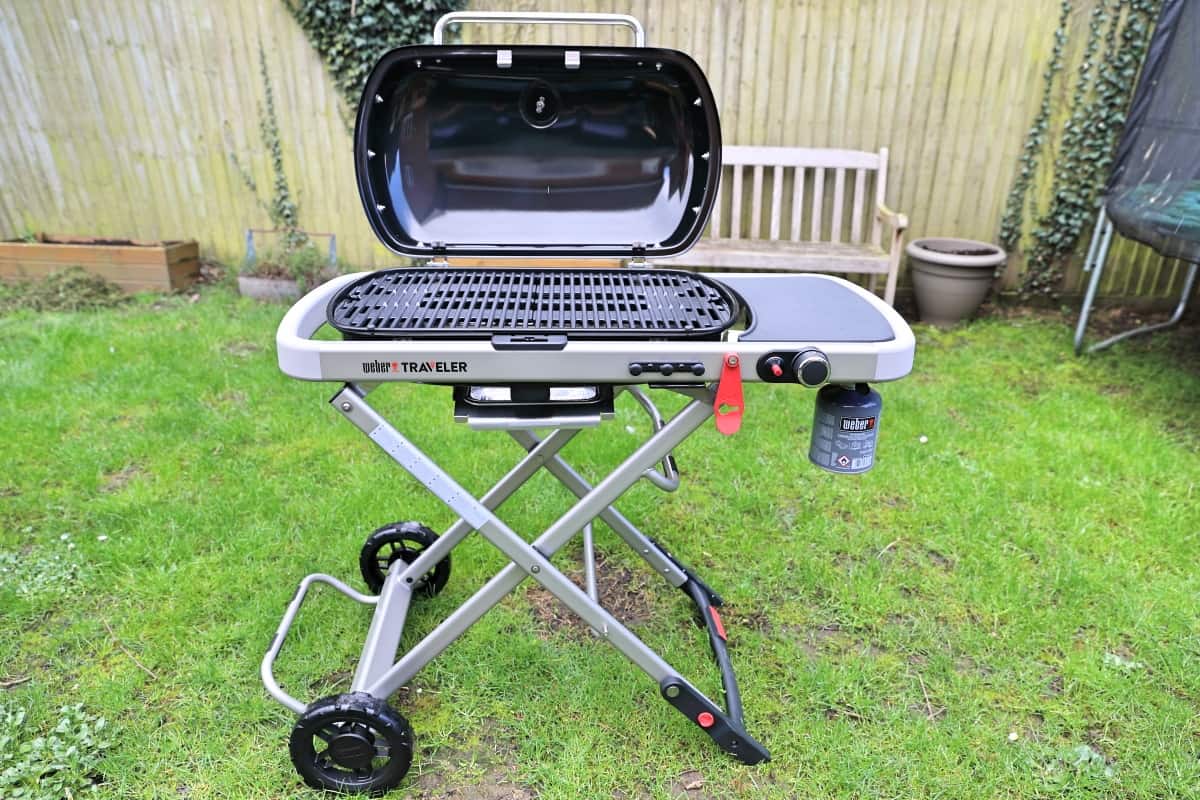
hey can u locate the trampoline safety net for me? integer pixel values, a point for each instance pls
(1153, 192)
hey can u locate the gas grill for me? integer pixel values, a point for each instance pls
(496, 152)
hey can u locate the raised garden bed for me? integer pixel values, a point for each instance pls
(135, 266)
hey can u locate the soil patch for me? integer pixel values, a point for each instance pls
(688, 786)
(497, 782)
(116, 481)
(624, 593)
(241, 349)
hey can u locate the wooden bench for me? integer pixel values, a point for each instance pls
(808, 211)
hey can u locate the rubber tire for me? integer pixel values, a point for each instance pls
(353, 707)
(373, 575)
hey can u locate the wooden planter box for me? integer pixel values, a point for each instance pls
(132, 265)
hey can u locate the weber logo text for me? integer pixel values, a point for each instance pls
(858, 423)
(378, 367)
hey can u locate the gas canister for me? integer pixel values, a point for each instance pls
(845, 425)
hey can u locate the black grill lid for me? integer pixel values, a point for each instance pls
(581, 303)
(599, 151)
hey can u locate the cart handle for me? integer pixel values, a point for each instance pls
(267, 669)
(542, 18)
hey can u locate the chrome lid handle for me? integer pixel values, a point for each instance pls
(541, 18)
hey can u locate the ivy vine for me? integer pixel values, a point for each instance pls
(1014, 208)
(281, 207)
(1095, 117)
(351, 35)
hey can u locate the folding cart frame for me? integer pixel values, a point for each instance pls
(379, 675)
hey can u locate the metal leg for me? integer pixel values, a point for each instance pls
(668, 479)
(383, 637)
(539, 453)
(653, 555)
(391, 611)
(589, 563)
(1188, 283)
(1097, 255)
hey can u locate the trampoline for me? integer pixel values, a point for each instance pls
(1153, 192)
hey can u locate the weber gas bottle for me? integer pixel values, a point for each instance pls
(845, 427)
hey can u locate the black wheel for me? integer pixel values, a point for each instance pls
(401, 541)
(352, 743)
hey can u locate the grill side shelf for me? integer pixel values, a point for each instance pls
(480, 303)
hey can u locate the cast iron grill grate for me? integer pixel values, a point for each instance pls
(582, 303)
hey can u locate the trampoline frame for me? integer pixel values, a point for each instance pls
(1097, 256)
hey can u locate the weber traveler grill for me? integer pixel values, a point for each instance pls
(528, 152)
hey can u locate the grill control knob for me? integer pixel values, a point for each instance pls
(666, 369)
(698, 369)
(635, 369)
(811, 368)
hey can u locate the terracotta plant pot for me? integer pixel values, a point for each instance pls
(276, 290)
(951, 277)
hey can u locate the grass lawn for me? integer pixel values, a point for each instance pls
(1005, 608)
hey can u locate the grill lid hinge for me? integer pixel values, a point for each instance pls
(439, 255)
(638, 261)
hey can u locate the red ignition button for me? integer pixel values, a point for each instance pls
(776, 370)
(705, 719)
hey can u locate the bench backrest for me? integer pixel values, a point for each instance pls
(803, 194)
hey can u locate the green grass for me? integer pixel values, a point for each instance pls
(1031, 569)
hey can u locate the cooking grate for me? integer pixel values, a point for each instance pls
(583, 303)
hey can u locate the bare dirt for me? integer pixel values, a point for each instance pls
(625, 593)
(116, 481)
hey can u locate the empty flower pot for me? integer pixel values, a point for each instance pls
(271, 290)
(951, 277)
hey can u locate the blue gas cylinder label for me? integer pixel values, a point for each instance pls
(845, 426)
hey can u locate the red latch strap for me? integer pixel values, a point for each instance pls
(716, 618)
(728, 405)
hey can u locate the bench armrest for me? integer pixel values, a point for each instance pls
(897, 221)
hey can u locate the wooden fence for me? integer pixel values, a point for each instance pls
(119, 119)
